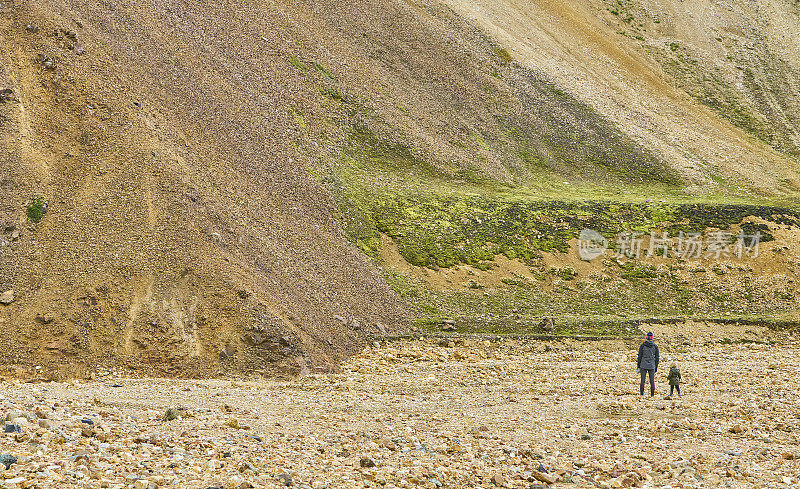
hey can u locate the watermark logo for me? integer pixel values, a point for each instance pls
(591, 244)
(715, 245)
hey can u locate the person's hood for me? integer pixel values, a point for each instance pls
(649, 343)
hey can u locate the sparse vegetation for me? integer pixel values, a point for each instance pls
(322, 71)
(295, 61)
(36, 209)
(503, 55)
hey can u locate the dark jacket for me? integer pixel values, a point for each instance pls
(674, 376)
(648, 356)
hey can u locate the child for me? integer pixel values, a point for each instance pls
(674, 378)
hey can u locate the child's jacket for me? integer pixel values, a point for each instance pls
(674, 376)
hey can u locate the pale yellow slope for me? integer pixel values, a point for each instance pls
(576, 46)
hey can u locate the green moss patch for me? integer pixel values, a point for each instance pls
(36, 209)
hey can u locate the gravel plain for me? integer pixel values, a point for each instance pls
(424, 412)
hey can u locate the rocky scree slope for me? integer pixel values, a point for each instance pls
(187, 185)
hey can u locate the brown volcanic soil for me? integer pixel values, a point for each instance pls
(178, 219)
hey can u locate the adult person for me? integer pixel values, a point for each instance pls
(647, 363)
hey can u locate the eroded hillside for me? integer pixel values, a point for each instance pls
(203, 187)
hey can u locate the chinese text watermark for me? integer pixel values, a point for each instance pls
(688, 246)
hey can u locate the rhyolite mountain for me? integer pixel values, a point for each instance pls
(192, 187)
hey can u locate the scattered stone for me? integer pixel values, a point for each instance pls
(498, 479)
(7, 95)
(285, 479)
(47, 62)
(15, 483)
(8, 460)
(7, 297)
(408, 433)
(170, 415)
(546, 478)
(547, 325)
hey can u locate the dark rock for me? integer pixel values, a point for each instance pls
(7, 95)
(87, 421)
(170, 414)
(285, 479)
(7, 459)
(13, 428)
(32, 28)
(448, 325)
(367, 462)
(44, 318)
(46, 61)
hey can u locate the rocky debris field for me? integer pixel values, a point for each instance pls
(424, 413)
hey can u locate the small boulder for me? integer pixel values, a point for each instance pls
(8, 460)
(7, 95)
(170, 415)
(546, 478)
(498, 479)
(7, 297)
